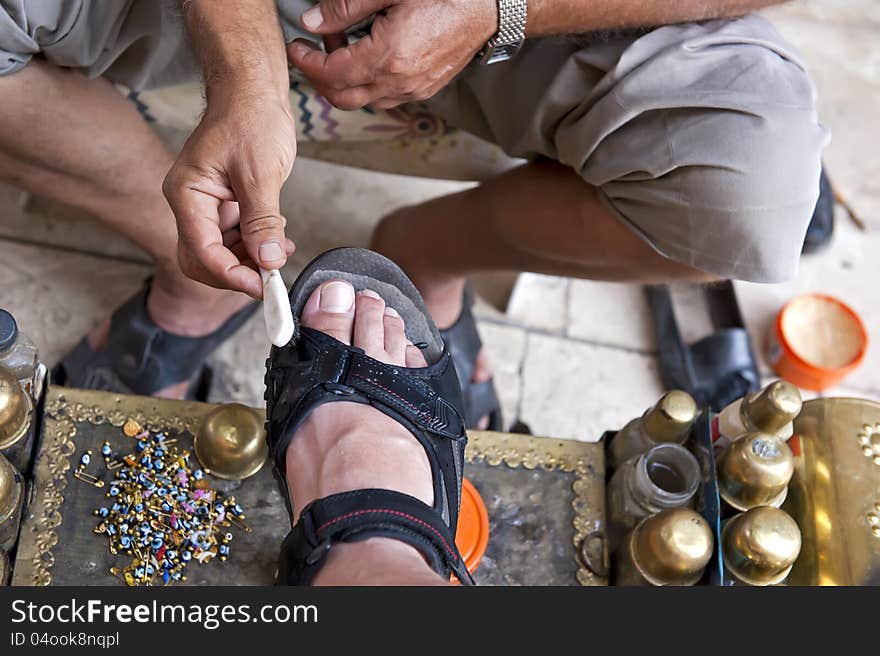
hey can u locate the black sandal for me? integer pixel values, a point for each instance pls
(141, 358)
(314, 368)
(464, 343)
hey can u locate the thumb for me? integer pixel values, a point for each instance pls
(261, 224)
(331, 16)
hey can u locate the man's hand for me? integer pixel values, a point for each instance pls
(415, 47)
(224, 190)
(225, 186)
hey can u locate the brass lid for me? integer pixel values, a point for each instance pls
(672, 547)
(10, 488)
(671, 417)
(755, 471)
(771, 409)
(760, 545)
(231, 442)
(15, 409)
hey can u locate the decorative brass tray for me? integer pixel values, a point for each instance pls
(544, 497)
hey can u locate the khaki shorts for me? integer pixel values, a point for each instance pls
(702, 137)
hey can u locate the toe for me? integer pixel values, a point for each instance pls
(369, 329)
(331, 310)
(482, 368)
(415, 359)
(395, 337)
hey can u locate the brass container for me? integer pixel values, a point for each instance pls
(771, 409)
(760, 545)
(670, 419)
(755, 471)
(671, 547)
(4, 568)
(835, 492)
(16, 408)
(231, 442)
(11, 499)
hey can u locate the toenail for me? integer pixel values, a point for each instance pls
(337, 297)
(391, 312)
(371, 294)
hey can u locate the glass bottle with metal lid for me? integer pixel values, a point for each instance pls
(669, 420)
(772, 410)
(755, 471)
(760, 546)
(16, 420)
(666, 476)
(17, 352)
(671, 547)
(11, 500)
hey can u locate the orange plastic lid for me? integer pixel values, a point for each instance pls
(818, 341)
(472, 534)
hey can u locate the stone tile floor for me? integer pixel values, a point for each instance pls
(572, 358)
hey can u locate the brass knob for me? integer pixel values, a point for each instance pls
(771, 409)
(760, 546)
(231, 442)
(15, 409)
(755, 471)
(670, 419)
(10, 489)
(672, 547)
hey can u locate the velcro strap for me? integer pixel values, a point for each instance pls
(362, 514)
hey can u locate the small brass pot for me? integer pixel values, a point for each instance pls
(760, 546)
(15, 410)
(671, 547)
(231, 442)
(11, 500)
(755, 471)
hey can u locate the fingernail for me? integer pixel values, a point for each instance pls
(271, 251)
(297, 50)
(313, 18)
(337, 297)
(391, 312)
(371, 294)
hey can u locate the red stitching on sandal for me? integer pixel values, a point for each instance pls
(421, 413)
(391, 512)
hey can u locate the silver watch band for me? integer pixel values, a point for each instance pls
(512, 15)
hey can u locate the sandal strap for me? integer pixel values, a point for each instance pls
(360, 515)
(322, 369)
(463, 341)
(140, 357)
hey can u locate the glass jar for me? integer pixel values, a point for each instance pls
(665, 476)
(17, 352)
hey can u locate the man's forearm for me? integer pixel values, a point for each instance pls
(548, 17)
(239, 44)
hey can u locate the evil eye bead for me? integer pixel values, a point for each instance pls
(85, 459)
(156, 543)
(159, 453)
(141, 445)
(224, 550)
(139, 572)
(159, 437)
(198, 474)
(114, 491)
(125, 541)
(218, 507)
(138, 507)
(237, 510)
(166, 576)
(186, 556)
(105, 450)
(150, 570)
(103, 512)
(228, 537)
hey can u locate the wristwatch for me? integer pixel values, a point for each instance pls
(511, 32)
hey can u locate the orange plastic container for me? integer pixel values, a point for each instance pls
(804, 330)
(472, 534)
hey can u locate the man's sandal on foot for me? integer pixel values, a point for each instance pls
(315, 368)
(142, 358)
(464, 344)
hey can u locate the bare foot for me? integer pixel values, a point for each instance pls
(345, 446)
